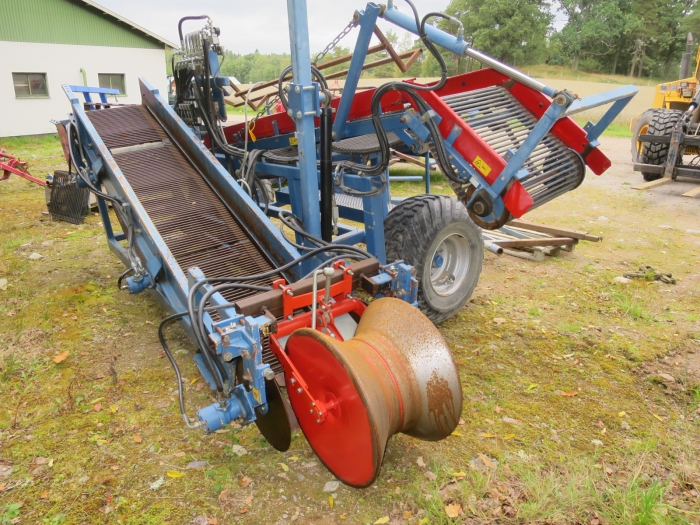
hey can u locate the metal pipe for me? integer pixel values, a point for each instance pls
(326, 173)
(459, 47)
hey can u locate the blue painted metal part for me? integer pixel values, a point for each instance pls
(301, 110)
(368, 19)
(459, 47)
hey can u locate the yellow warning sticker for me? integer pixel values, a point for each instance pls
(293, 141)
(481, 165)
(256, 395)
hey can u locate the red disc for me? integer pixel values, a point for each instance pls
(346, 442)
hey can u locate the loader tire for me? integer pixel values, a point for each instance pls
(654, 122)
(435, 234)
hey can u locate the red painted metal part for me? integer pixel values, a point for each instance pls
(517, 200)
(11, 164)
(360, 108)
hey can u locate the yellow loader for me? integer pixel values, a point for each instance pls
(669, 130)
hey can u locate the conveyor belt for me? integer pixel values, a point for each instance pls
(196, 225)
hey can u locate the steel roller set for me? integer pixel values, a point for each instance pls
(244, 236)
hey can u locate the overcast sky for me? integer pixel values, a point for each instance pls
(247, 25)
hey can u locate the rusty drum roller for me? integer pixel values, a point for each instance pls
(396, 375)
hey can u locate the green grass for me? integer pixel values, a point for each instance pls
(566, 328)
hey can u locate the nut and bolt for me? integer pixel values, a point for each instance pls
(228, 356)
(289, 292)
(292, 380)
(299, 390)
(268, 374)
(245, 354)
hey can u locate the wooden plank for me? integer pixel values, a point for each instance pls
(537, 256)
(562, 232)
(410, 159)
(653, 184)
(520, 243)
(692, 193)
(390, 49)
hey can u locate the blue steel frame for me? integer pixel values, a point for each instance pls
(303, 179)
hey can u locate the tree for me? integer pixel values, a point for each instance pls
(513, 31)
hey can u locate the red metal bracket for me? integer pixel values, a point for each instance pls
(11, 164)
(296, 384)
(291, 302)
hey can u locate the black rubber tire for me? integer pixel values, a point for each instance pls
(413, 232)
(658, 122)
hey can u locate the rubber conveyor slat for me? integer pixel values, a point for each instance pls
(195, 224)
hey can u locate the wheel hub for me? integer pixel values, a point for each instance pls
(450, 264)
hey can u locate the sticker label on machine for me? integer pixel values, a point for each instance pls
(481, 165)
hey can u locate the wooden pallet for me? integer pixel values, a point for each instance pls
(533, 242)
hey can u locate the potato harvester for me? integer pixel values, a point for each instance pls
(279, 319)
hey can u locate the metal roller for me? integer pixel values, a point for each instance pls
(396, 375)
(500, 120)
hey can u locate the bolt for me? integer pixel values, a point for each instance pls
(228, 356)
(311, 411)
(290, 112)
(299, 390)
(268, 374)
(245, 354)
(313, 404)
(289, 292)
(318, 421)
(297, 89)
(299, 114)
(292, 380)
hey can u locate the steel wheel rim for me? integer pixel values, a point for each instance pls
(449, 264)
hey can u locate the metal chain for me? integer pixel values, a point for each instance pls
(334, 42)
(267, 106)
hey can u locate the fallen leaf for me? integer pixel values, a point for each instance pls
(137, 438)
(294, 458)
(658, 417)
(420, 462)
(213, 521)
(2, 486)
(242, 511)
(407, 514)
(331, 501)
(508, 436)
(499, 320)
(453, 510)
(224, 494)
(284, 467)
(382, 520)
(174, 474)
(113, 408)
(194, 381)
(61, 357)
(245, 482)
(459, 475)
(97, 407)
(461, 421)
(486, 461)
(249, 499)
(342, 516)
(114, 467)
(569, 393)
(456, 433)
(622, 414)
(179, 454)
(532, 387)
(487, 435)
(44, 495)
(430, 475)
(498, 410)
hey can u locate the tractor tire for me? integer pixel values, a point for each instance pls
(434, 234)
(654, 122)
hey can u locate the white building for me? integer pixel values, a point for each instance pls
(46, 43)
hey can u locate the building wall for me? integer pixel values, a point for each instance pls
(62, 63)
